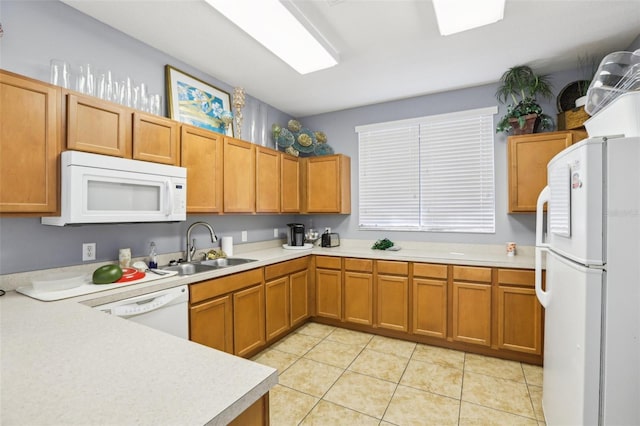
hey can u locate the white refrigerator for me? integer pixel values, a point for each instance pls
(591, 243)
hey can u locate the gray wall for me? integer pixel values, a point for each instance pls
(340, 129)
(34, 33)
(37, 31)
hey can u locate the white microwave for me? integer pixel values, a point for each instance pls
(103, 189)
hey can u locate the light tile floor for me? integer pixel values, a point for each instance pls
(333, 376)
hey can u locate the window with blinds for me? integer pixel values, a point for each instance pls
(432, 173)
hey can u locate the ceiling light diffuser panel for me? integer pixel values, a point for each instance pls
(282, 29)
(455, 16)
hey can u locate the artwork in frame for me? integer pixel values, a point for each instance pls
(195, 102)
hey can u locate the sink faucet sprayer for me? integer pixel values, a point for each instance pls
(191, 248)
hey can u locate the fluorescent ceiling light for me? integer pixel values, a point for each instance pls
(281, 28)
(455, 16)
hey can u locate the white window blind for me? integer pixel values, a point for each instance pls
(431, 173)
(389, 185)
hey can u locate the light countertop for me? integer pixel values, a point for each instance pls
(65, 363)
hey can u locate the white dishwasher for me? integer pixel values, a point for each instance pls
(165, 310)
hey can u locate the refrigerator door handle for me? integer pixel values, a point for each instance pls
(543, 296)
(543, 198)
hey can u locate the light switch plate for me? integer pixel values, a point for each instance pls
(244, 236)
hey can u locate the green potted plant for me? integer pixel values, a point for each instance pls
(522, 86)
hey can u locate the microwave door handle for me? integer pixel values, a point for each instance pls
(168, 197)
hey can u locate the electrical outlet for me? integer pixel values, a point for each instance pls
(275, 232)
(244, 236)
(88, 251)
(327, 229)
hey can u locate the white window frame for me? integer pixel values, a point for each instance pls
(399, 161)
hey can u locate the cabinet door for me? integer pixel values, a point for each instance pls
(519, 320)
(290, 184)
(393, 302)
(29, 145)
(256, 415)
(299, 297)
(211, 323)
(329, 293)
(528, 158)
(430, 307)
(97, 126)
(248, 320)
(327, 184)
(239, 176)
(156, 139)
(202, 156)
(358, 297)
(267, 180)
(519, 312)
(277, 307)
(472, 313)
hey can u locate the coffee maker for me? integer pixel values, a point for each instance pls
(296, 234)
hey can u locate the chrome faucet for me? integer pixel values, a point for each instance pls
(191, 247)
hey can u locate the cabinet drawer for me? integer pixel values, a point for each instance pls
(211, 288)
(358, 265)
(285, 268)
(392, 267)
(522, 277)
(429, 270)
(470, 273)
(328, 262)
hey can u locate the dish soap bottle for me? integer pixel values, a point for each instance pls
(153, 256)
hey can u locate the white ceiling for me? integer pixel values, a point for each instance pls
(388, 49)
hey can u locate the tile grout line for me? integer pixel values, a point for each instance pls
(398, 384)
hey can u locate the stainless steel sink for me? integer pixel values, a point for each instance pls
(225, 262)
(190, 268)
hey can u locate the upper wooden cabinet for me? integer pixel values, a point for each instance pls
(289, 184)
(98, 126)
(268, 163)
(102, 127)
(201, 154)
(30, 141)
(239, 176)
(528, 156)
(156, 139)
(327, 184)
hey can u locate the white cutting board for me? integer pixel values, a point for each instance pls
(87, 288)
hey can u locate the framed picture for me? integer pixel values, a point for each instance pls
(195, 102)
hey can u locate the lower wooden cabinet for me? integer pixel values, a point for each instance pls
(358, 297)
(277, 307)
(298, 297)
(471, 298)
(256, 415)
(248, 320)
(430, 300)
(519, 312)
(392, 294)
(228, 313)
(212, 323)
(328, 287)
(286, 296)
